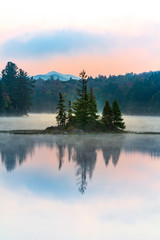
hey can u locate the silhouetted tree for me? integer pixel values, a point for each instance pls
(9, 83)
(61, 114)
(17, 90)
(1, 98)
(24, 90)
(69, 115)
(81, 104)
(107, 116)
(118, 122)
(92, 106)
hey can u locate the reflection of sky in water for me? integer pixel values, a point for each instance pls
(41, 201)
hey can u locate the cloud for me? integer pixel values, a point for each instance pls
(59, 43)
(71, 42)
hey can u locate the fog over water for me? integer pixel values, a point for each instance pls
(32, 121)
(96, 186)
(41, 121)
(142, 123)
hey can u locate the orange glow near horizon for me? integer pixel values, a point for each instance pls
(117, 63)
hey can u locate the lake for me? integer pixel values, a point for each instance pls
(103, 186)
(41, 121)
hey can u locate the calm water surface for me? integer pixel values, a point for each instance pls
(80, 187)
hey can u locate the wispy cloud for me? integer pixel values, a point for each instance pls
(60, 42)
(70, 42)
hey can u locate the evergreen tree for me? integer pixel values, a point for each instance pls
(24, 91)
(81, 104)
(9, 82)
(107, 116)
(118, 122)
(17, 90)
(70, 114)
(1, 97)
(92, 107)
(61, 114)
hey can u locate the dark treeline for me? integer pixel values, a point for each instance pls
(16, 89)
(136, 93)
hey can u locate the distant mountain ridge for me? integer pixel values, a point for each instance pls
(55, 75)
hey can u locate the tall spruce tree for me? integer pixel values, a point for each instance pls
(107, 116)
(61, 112)
(1, 98)
(9, 84)
(81, 104)
(24, 91)
(70, 115)
(92, 107)
(118, 122)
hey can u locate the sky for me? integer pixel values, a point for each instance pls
(103, 37)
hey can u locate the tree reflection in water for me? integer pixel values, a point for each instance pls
(85, 157)
(61, 148)
(82, 150)
(14, 150)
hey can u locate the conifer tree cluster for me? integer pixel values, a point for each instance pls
(112, 116)
(83, 113)
(16, 89)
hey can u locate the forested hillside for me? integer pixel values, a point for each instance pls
(136, 93)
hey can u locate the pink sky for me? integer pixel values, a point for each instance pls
(117, 63)
(68, 37)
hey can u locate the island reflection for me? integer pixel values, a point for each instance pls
(82, 150)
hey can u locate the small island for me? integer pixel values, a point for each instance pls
(82, 115)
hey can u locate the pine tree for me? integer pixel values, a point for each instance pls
(107, 116)
(24, 91)
(70, 114)
(17, 90)
(9, 83)
(1, 97)
(81, 104)
(61, 114)
(118, 122)
(92, 107)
